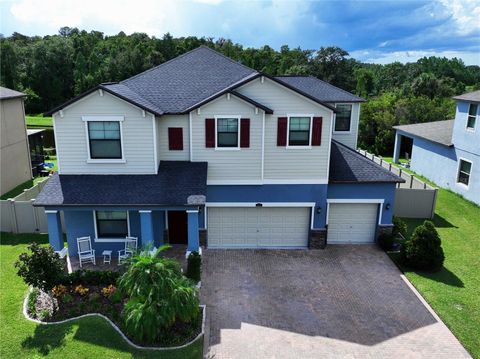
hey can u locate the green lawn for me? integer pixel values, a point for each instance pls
(84, 338)
(454, 291)
(38, 121)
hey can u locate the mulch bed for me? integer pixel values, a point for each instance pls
(73, 305)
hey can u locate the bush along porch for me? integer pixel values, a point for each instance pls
(149, 300)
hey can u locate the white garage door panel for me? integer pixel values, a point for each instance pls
(352, 222)
(258, 227)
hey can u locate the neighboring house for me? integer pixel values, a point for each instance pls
(204, 150)
(37, 154)
(15, 159)
(448, 152)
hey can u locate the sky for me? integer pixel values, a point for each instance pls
(371, 31)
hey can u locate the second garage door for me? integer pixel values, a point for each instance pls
(352, 222)
(250, 227)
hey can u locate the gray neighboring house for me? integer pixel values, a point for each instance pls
(15, 155)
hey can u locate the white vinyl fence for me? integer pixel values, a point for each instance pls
(18, 215)
(414, 198)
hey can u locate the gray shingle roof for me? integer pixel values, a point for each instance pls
(6, 93)
(319, 89)
(349, 166)
(174, 183)
(437, 131)
(186, 80)
(469, 96)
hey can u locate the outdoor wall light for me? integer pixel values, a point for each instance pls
(258, 205)
(319, 210)
(387, 206)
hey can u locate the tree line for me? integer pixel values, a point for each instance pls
(54, 68)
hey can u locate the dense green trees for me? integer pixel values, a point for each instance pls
(53, 69)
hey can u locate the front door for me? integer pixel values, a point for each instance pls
(177, 227)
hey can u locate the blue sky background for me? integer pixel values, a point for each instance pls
(373, 31)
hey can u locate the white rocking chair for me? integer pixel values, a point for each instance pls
(131, 244)
(85, 251)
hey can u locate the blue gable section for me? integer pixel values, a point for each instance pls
(440, 164)
(385, 191)
(462, 138)
(274, 193)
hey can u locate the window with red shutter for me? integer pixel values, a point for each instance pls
(245, 132)
(282, 131)
(317, 131)
(209, 132)
(175, 139)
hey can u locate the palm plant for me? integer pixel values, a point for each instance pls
(158, 294)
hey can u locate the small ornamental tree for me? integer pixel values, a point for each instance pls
(158, 295)
(41, 268)
(423, 250)
(399, 227)
(194, 266)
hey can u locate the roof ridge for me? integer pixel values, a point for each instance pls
(228, 58)
(359, 155)
(329, 84)
(160, 65)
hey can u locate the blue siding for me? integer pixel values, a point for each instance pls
(462, 139)
(80, 223)
(440, 164)
(385, 191)
(274, 193)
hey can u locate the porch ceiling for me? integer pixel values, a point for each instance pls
(177, 183)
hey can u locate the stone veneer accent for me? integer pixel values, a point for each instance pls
(203, 237)
(318, 239)
(384, 228)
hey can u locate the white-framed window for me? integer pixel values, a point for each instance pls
(104, 138)
(227, 130)
(472, 116)
(343, 118)
(299, 131)
(464, 172)
(111, 225)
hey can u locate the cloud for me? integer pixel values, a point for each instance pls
(378, 57)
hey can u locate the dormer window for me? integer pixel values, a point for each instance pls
(343, 118)
(472, 116)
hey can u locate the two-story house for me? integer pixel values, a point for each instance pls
(204, 150)
(448, 152)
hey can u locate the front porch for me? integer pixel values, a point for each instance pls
(108, 228)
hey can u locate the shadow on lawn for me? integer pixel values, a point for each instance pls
(444, 276)
(10, 239)
(47, 337)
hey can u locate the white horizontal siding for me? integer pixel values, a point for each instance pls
(163, 123)
(286, 163)
(72, 140)
(243, 164)
(350, 138)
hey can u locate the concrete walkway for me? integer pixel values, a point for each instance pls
(343, 302)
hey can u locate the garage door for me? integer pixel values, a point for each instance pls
(352, 222)
(250, 227)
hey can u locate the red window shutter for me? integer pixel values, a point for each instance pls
(175, 139)
(317, 131)
(282, 131)
(209, 132)
(245, 132)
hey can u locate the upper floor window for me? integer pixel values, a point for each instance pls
(472, 116)
(299, 131)
(343, 118)
(104, 139)
(464, 170)
(227, 132)
(111, 224)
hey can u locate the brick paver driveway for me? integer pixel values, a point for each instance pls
(342, 302)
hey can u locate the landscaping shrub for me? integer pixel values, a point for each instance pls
(399, 227)
(159, 296)
(32, 301)
(423, 250)
(386, 241)
(59, 291)
(194, 266)
(80, 289)
(90, 277)
(41, 268)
